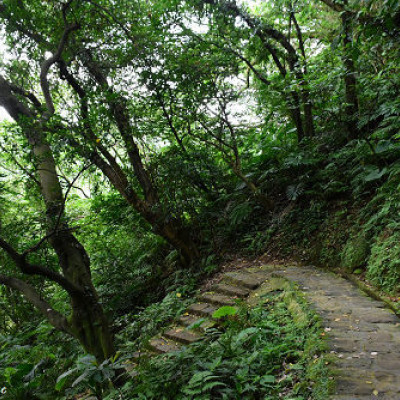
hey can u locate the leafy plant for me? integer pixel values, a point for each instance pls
(261, 352)
(383, 268)
(89, 374)
(224, 311)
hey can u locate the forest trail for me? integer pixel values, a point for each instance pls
(363, 336)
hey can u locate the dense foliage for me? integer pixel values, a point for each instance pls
(147, 142)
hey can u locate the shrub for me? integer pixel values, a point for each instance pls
(383, 267)
(355, 253)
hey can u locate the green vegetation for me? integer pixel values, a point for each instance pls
(273, 348)
(145, 144)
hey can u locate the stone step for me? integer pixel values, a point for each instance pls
(244, 280)
(218, 299)
(231, 290)
(190, 319)
(163, 345)
(202, 309)
(181, 335)
(262, 275)
(351, 397)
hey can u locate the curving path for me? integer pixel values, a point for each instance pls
(363, 335)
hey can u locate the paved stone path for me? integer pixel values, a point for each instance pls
(363, 335)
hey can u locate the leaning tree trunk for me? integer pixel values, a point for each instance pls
(177, 235)
(87, 322)
(171, 229)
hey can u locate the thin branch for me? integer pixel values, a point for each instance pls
(29, 95)
(86, 167)
(19, 165)
(168, 117)
(300, 38)
(46, 65)
(73, 186)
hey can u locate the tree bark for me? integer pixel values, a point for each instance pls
(307, 103)
(350, 79)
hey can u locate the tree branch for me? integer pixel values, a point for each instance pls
(22, 92)
(55, 318)
(44, 83)
(31, 269)
(13, 106)
(19, 165)
(119, 108)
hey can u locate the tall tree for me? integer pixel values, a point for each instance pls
(87, 322)
(274, 40)
(86, 69)
(350, 72)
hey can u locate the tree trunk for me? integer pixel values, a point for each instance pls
(308, 114)
(179, 237)
(87, 323)
(91, 328)
(350, 80)
(307, 104)
(295, 112)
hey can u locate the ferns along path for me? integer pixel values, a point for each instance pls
(363, 337)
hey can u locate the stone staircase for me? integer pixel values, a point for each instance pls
(363, 336)
(234, 286)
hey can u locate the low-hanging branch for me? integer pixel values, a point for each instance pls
(54, 317)
(32, 269)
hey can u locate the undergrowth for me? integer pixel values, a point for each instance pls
(271, 351)
(342, 210)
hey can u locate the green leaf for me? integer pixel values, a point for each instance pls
(201, 377)
(297, 367)
(62, 379)
(196, 324)
(375, 175)
(61, 383)
(80, 379)
(267, 379)
(245, 335)
(224, 312)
